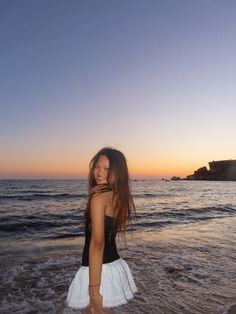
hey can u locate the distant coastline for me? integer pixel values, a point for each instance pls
(221, 170)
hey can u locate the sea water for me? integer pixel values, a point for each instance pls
(181, 250)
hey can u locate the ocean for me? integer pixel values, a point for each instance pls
(181, 251)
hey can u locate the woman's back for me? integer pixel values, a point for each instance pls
(110, 252)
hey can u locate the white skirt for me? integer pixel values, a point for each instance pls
(117, 285)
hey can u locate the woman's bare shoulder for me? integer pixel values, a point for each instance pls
(100, 188)
(99, 193)
(102, 195)
(102, 200)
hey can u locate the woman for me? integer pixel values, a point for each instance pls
(104, 280)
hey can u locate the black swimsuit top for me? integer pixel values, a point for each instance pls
(110, 253)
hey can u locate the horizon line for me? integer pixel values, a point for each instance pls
(81, 178)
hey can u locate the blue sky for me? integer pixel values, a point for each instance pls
(155, 79)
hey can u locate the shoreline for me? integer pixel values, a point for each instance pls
(170, 234)
(177, 269)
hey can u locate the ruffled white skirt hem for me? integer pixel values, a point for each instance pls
(117, 286)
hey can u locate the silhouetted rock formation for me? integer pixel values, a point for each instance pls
(222, 170)
(175, 178)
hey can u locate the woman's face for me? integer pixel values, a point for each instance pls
(101, 170)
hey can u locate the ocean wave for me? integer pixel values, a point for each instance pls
(66, 235)
(151, 195)
(56, 226)
(31, 224)
(37, 196)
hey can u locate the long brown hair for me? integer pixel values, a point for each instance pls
(118, 182)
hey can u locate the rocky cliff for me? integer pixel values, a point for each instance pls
(222, 170)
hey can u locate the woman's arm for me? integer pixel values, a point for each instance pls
(96, 248)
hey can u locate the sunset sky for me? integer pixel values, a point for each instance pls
(155, 79)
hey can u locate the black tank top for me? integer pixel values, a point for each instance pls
(110, 253)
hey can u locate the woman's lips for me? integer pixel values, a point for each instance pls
(101, 179)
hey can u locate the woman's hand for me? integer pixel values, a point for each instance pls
(95, 298)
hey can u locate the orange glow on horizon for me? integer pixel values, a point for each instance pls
(56, 171)
(72, 168)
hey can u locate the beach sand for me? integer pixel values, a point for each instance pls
(232, 309)
(183, 270)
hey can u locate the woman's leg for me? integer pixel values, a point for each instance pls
(88, 310)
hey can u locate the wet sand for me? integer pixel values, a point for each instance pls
(232, 309)
(184, 269)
